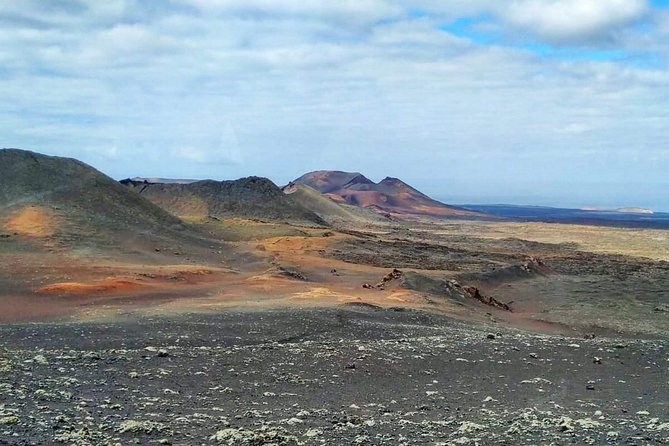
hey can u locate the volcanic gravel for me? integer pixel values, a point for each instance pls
(325, 377)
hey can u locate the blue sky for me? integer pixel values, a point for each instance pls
(552, 102)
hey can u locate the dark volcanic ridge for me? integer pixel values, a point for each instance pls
(252, 197)
(390, 196)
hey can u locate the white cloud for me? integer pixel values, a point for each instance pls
(574, 21)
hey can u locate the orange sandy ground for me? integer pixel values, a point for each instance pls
(32, 221)
(95, 291)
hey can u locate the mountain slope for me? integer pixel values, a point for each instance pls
(391, 195)
(326, 208)
(69, 201)
(251, 197)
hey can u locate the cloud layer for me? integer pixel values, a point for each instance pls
(533, 99)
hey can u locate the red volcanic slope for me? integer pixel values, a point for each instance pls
(391, 195)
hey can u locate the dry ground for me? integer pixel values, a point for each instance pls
(269, 337)
(598, 281)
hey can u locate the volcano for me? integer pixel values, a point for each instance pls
(391, 196)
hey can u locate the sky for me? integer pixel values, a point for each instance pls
(547, 102)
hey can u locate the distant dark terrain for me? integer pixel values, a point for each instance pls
(616, 218)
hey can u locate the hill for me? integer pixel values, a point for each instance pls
(65, 200)
(252, 197)
(326, 208)
(389, 196)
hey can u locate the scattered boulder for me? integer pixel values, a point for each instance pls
(475, 293)
(395, 274)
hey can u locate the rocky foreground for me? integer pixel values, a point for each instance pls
(334, 377)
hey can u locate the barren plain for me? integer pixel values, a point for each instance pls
(222, 329)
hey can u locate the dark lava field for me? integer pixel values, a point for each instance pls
(342, 376)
